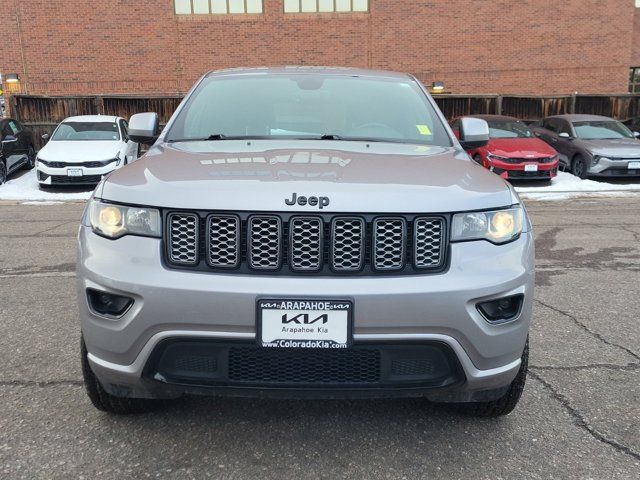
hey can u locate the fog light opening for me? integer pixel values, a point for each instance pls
(108, 304)
(502, 309)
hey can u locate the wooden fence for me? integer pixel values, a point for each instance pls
(42, 114)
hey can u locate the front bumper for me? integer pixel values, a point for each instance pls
(614, 168)
(517, 171)
(397, 311)
(59, 176)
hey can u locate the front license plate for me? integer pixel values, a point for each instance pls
(74, 172)
(531, 168)
(304, 323)
(633, 165)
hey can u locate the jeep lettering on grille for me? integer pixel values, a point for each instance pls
(311, 201)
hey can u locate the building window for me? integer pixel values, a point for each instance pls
(205, 7)
(313, 6)
(634, 80)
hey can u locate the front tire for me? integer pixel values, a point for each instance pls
(106, 402)
(505, 404)
(579, 167)
(31, 159)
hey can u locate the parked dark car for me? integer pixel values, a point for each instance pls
(633, 124)
(591, 145)
(16, 148)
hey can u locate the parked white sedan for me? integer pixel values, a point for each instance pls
(84, 149)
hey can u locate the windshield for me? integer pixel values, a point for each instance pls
(307, 106)
(72, 131)
(508, 129)
(601, 130)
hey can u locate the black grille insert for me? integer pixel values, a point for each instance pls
(270, 365)
(64, 180)
(245, 364)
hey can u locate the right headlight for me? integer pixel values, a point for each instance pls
(114, 221)
(496, 226)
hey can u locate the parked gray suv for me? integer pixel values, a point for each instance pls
(591, 145)
(305, 232)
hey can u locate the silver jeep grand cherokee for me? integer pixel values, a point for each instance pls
(305, 232)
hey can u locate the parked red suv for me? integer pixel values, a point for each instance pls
(513, 151)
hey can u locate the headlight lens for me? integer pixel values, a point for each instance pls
(498, 157)
(498, 226)
(597, 158)
(115, 221)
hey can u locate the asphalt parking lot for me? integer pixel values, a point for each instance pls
(579, 416)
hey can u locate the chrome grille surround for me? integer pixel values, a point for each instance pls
(320, 243)
(183, 238)
(388, 243)
(265, 242)
(428, 246)
(347, 244)
(305, 243)
(223, 241)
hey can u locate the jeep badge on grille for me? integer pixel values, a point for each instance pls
(311, 201)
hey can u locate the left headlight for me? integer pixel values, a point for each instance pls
(498, 157)
(496, 226)
(115, 221)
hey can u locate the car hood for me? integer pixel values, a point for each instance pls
(520, 148)
(79, 151)
(621, 147)
(260, 175)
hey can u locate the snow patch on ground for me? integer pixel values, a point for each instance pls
(566, 186)
(25, 187)
(557, 196)
(565, 182)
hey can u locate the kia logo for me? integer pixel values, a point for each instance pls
(311, 201)
(305, 318)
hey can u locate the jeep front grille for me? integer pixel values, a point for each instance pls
(303, 244)
(428, 241)
(223, 241)
(347, 246)
(183, 238)
(389, 238)
(265, 242)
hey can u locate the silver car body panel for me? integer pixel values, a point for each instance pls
(234, 175)
(224, 305)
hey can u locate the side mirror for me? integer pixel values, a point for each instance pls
(10, 138)
(564, 135)
(45, 137)
(474, 133)
(636, 134)
(143, 128)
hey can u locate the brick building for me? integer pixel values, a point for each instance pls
(162, 46)
(634, 80)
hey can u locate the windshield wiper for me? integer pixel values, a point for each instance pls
(219, 136)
